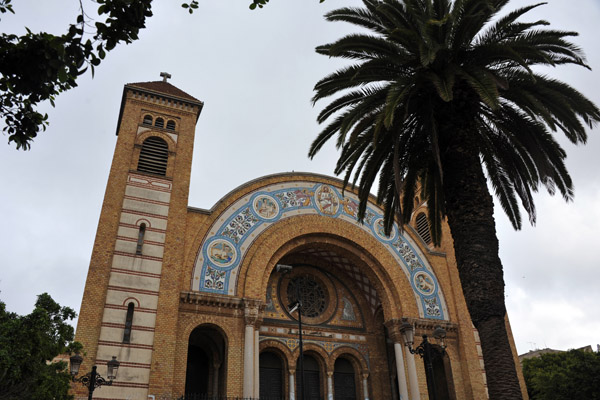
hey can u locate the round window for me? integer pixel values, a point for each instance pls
(311, 293)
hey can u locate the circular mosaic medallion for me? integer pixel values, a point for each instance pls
(379, 230)
(221, 253)
(424, 283)
(327, 200)
(312, 294)
(266, 207)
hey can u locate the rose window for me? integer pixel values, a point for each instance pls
(312, 294)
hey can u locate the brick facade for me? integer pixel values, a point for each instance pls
(207, 296)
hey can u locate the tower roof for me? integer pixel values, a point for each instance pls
(161, 87)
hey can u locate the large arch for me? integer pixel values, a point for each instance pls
(281, 240)
(225, 249)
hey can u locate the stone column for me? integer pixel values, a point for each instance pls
(292, 385)
(251, 312)
(397, 337)
(400, 372)
(415, 393)
(256, 364)
(365, 387)
(248, 388)
(329, 385)
(215, 389)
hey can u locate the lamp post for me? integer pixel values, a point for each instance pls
(425, 351)
(92, 379)
(296, 306)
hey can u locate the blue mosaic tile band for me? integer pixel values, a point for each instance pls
(230, 236)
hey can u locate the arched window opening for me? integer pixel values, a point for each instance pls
(160, 123)
(423, 228)
(344, 381)
(154, 156)
(140, 242)
(312, 379)
(148, 119)
(271, 376)
(128, 323)
(171, 125)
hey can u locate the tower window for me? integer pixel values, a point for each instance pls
(171, 125)
(160, 123)
(147, 119)
(423, 228)
(128, 323)
(154, 156)
(140, 242)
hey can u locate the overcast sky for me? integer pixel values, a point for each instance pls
(255, 71)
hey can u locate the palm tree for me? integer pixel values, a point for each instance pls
(438, 90)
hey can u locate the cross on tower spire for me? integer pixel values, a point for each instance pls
(165, 76)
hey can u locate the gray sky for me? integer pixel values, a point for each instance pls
(255, 71)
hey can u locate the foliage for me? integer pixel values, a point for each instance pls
(36, 67)
(27, 343)
(436, 92)
(569, 375)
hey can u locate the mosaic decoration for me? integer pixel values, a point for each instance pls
(266, 207)
(269, 301)
(348, 310)
(223, 249)
(423, 282)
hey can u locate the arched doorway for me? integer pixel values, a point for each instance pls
(312, 379)
(271, 376)
(442, 375)
(344, 380)
(206, 370)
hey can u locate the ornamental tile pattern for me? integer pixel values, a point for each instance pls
(223, 249)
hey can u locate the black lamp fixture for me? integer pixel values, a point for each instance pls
(424, 350)
(92, 379)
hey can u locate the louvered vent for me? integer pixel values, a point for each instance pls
(154, 156)
(148, 119)
(171, 125)
(160, 123)
(423, 228)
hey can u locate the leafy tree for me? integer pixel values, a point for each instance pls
(36, 67)
(569, 375)
(27, 343)
(436, 92)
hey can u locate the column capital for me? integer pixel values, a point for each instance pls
(292, 371)
(393, 327)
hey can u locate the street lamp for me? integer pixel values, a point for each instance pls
(296, 306)
(92, 379)
(425, 351)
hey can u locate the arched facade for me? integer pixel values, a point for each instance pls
(212, 306)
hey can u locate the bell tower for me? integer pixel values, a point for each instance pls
(138, 251)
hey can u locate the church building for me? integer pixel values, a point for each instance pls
(196, 302)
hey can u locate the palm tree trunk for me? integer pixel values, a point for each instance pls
(470, 212)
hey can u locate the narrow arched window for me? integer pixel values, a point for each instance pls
(128, 323)
(423, 228)
(140, 241)
(148, 119)
(160, 123)
(154, 156)
(171, 125)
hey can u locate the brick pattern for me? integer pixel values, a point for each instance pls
(166, 311)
